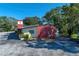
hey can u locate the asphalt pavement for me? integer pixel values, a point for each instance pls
(65, 46)
(8, 36)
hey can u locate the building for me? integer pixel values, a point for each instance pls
(38, 31)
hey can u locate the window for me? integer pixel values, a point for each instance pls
(31, 31)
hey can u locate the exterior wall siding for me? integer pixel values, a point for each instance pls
(34, 29)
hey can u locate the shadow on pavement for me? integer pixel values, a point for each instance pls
(66, 46)
(13, 36)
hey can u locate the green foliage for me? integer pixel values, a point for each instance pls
(7, 23)
(65, 18)
(74, 36)
(31, 21)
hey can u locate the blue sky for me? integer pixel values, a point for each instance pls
(22, 10)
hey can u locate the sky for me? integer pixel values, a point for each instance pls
(22, 10)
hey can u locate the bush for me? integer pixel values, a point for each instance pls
(74, 36)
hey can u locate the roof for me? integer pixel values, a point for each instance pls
(31, 26)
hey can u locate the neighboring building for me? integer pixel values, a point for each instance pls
(41, 31)
(32, 29)
(19, 24)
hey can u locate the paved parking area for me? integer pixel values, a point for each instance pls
(4, 35)
(11, 45)
(8, 36)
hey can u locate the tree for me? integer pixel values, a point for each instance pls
(31, 21)
(65, 18)
(7, 23)
(71, 12)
